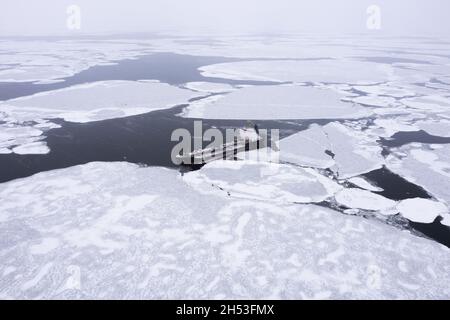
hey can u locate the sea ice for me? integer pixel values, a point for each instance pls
(421, 210)
(119, 231)
(433, 103)
(307, 148)
(428, 168)
(99, 100)
(386, 90)
(32, 148)
(362, 199)
(51, 61)
(210, 87)
(262, 181)
(364, 184)
(374, 101)
(324, 71)
(278, 102)
(351, 152)
(438, 127)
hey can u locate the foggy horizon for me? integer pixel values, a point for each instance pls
(48, 17)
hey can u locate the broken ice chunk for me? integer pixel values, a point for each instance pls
(364, 184)
(421, 210)
(362, 199)
(307, 148)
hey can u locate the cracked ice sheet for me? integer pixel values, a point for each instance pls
(118, 231)
(262, 181)
(424, 166)
(354, 151)
(277, 102)
(98, 101)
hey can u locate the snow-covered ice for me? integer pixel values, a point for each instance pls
(354, 198)
(354, 151)
(43, 61)
(431, 103)
(32, 148)
(115, 230)
(386, 90)
(22, 139)
(324, 71)
(262, 181)
(438, 127)
(421, 210)
(278, 102)
(307, 148)
(374, 101)
(233, 229)
(426, 167)
(364, 184)
(99, 101)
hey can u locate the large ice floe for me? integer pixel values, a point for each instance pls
(277, 102)
(117, 230)
(345, 151)
(324, 71)
(98, 101)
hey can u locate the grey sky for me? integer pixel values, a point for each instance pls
(48, 17)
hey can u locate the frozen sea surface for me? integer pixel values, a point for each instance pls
(117, 230)
(361, 183)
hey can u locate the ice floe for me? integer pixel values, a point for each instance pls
(426, 167)
(387, 127)
(323, 71)
(364, 184)
(350, 152)
(32, 148)
(307, 148)
(22, 139)
(386, 90)
(119, 231)
(437, 127)
(278, 102)
(375, 101)
(354, 198)
(262, 181)
(432, 103)
(99, 101)
(421, 210)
